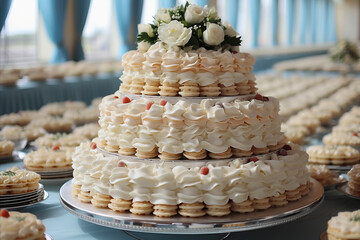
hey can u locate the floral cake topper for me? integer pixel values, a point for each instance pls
(189, 27)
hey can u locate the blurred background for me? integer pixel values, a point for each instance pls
(31, 30)
(71, 49)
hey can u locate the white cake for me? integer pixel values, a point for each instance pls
(187, 133)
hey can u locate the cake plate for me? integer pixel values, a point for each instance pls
(344, 188)
(234, 222)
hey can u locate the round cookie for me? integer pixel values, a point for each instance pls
(346, 225)
(17, 225)
(337, 155)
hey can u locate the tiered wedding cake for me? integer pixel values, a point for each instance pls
(186, 133)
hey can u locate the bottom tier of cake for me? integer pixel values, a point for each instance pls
(190, 188)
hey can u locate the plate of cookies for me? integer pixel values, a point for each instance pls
(329, 179)
(352, 187)
(345, 225)
(54, 165)
(23, 225)
(336, 158)
(17, 193)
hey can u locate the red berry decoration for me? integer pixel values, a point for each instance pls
(204, 170)
(121, 164)
(163, 102)
(148, 105)
(265, 99)
(55, 148)
(254, 159)
(259, 97)
(355, 134)
(283, 152)
(4, 213)
(126, 100)
(93, 145)
(287, 147)
(116, 97)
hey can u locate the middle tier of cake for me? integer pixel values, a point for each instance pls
(194, 128)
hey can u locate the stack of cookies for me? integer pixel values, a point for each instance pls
(16, 225)
(49, 159)
(354, 180)
(6, 148)
(16, 181)
(333, 154)
(346, 225)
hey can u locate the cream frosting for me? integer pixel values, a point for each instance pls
(345, 223)
(14, 175)
(241, 124)
(21, 226)
(162, 182)
(201, 66)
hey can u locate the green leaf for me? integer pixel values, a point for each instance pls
(193, 42)
(20, 218)
(199, 33)
(9, 173)
(185, 23)
(233, 41)
(144, 36)
(355, 219)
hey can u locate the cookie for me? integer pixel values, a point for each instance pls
(346, 225)
(336, 155)
(16, 181)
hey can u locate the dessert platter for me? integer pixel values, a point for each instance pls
(343, 226)
(52, 164)
(187, 145)
(19, 225)
(182, 225)
(20, 188)
(352, 187)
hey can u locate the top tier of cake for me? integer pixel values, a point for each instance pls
(188, 52)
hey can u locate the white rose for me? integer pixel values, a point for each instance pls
(213, 35)
(174, 33)
(211, 12)
(162, 15)
(229, 30)
(194, 14)
(143, 46)
(146, 28)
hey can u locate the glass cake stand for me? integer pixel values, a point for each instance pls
(234, 222)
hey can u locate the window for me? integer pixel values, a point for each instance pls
(18, 38)
(97, 33)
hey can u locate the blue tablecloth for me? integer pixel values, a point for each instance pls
(33, 95)
(60, 224)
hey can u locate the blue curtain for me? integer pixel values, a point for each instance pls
(331, 22)
(290, 27)
(274, 22)
(303, 18)
(314, 20)
(54, 13)
(321, 20)
(255, 21)
(167, 3)
(128, 16)
(81, 11)
(232, 11)
(4, 9)
(201, 2)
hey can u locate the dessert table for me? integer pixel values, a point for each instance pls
(60, 224)
(27, 95)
